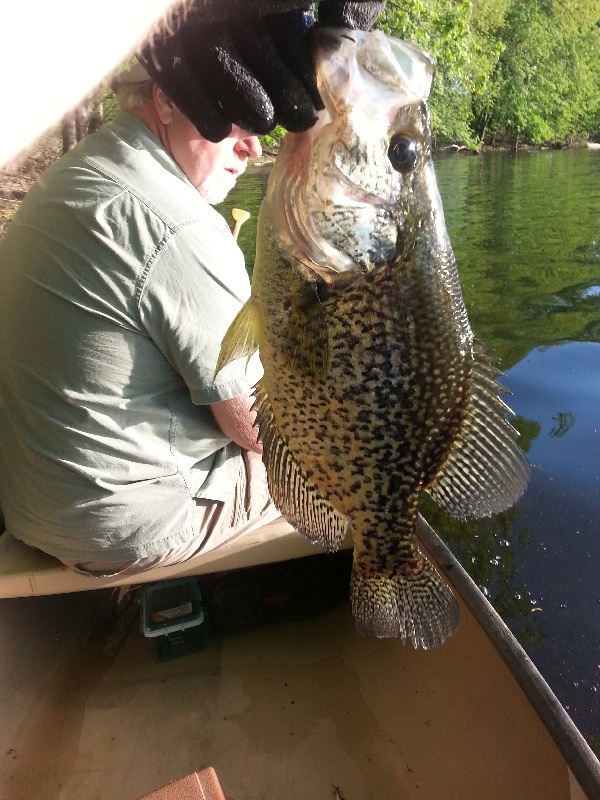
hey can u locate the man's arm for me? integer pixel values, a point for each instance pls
(236, 419)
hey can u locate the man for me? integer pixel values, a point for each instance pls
(120, 449)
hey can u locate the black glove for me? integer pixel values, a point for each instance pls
(359, 16)
(254, 71)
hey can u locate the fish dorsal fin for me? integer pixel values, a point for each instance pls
(241, 339)
(485, 471)
(293, 493)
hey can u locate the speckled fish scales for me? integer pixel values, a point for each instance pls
(374, 389)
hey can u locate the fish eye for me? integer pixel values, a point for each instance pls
(403, 153)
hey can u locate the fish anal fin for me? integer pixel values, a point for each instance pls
(293, 493)
(242, 337)
(413, 604)
(485, 471)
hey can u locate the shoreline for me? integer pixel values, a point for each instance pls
(269, 154)
(16, 180)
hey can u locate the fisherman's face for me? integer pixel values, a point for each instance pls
(212, 168)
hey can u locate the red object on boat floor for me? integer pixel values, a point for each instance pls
(203, 785)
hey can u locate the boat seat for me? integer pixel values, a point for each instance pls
(26, 572)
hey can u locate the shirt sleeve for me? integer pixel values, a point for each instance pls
(194, 287)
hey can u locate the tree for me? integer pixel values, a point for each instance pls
(547, 86)
(85, 118)
(523, 69)
(442, 28)
(488, 20)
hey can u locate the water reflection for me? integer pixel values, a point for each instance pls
(526, 233)
(592, 291)
(248, 194)
(564, 420)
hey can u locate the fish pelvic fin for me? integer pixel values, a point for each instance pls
(292, 491)
(241, 339)
(413, 604)
(485, 472)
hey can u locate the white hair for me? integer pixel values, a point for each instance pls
(132, 96)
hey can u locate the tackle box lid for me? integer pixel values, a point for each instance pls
(172, 606)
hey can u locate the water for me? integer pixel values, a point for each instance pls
(526, 232)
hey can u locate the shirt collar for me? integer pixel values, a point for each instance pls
(129, 128)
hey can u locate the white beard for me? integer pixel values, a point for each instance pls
(216, 187)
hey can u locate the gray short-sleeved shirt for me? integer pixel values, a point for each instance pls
(117, 284)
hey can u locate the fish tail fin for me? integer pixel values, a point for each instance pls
(415, 604)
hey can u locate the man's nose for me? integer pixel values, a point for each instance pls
(248, 145)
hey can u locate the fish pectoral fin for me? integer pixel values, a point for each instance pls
(413, 604)
(306, 334)
(307, 330)
(241, 339)
(485, 471)
(293, 493)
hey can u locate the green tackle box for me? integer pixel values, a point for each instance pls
(173, 618)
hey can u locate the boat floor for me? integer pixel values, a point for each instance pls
(286, 711)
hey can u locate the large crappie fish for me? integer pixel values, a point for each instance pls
(374, 389)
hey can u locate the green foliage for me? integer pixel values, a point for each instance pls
(547, 81)
(110, 107)
(529, 430)
(507, 70)
(440, 27)
(271, 140)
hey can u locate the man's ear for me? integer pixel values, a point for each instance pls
(162, 105)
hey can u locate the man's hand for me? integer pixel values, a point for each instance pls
(236, 419)
(253, 69)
